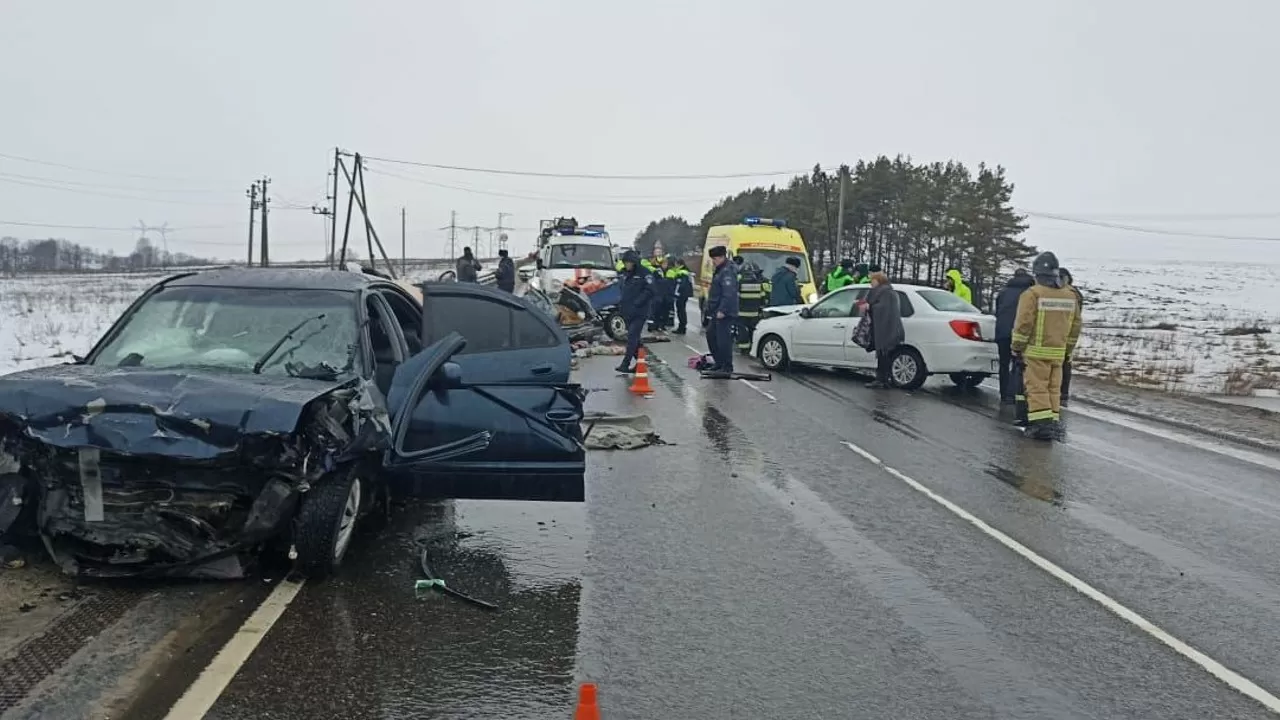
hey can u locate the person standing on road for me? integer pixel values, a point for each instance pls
(840, 276)
(683, 291)
(1045, 330)
(955, 283)
(885, 308)
(635, 305)
(468, 266)
(1006, 312)
(785, 287)
(1069, 283)
(722, 309)
(506, 273)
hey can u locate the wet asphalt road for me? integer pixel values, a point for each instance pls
(759, 568)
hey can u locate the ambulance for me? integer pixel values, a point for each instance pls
(567, 252)
(764, 241)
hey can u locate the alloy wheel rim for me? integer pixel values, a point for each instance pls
(904, 369)
(772, 353)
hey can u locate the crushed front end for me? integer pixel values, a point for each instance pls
(149, 491)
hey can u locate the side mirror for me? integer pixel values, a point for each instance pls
(538, 263)
(448, 377)
(806, 312)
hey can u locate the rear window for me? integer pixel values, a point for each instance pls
(943, 301)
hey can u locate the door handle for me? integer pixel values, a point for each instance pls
(542, 369)
(838, 325)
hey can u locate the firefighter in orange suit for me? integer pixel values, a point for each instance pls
(1045, 332)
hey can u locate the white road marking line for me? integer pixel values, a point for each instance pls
(213, 680)
(1217, 447)
(1236, 681)
(758, 389)
(748, 383)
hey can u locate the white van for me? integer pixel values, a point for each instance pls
(579, 254)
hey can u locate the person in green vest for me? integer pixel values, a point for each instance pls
(956, 284)
(840, 276)
(861, 274)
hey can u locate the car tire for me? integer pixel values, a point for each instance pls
(968, 381)
(326, 524)
(773, 354)
(615, 326)
(907, 369)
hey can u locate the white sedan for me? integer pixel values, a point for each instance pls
(944, 335)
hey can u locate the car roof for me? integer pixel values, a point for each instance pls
(277, 279)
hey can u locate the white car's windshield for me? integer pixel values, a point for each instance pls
(581, 256)
(943, 301)
(770, 260)
(234, 328)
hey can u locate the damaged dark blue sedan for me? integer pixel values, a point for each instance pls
(235, 410)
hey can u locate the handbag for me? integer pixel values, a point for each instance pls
(862, 334)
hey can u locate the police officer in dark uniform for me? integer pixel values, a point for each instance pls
(722, 309)
(637, 301)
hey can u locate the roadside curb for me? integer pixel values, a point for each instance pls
(1181, 425)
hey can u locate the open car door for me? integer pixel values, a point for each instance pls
(453, 437)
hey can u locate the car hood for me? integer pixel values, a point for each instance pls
(779, 310)
(172, 413)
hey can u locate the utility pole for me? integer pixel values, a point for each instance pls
(333, 233)
(404, 257)
(502, 238)
(265, 250)
(252, 194)
(327, 214)
(453, 235)
(839, 246)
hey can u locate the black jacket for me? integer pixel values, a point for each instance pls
(1007, 305)
(886, 318)
(467, 268)
(506, 274)
(722, 296)
(638, 292)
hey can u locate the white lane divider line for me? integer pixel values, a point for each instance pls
(748, 383)
(213, 680)
(758, 389)
(1234, 680)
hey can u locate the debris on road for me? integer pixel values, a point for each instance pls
(11, 558)
(432, 582)
(606, 431)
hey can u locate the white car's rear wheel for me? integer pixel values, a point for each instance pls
(907, 370)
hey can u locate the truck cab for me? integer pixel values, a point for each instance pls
(567, 252)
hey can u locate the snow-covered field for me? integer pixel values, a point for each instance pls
(1186, 327)
(1203, 327)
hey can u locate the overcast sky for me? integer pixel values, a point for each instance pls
(1143, 108)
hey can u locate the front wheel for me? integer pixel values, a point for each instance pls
(773, 353)
(615, 326)
(968, 381)
(906, 369)
(326, 523)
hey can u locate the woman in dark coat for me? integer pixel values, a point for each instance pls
(886, 325)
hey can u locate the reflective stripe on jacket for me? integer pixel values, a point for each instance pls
(1047, 324)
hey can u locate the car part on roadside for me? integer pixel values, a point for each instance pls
(713, 375)
(432, 582)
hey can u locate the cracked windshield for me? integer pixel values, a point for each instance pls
(729, 359)
(233, 330)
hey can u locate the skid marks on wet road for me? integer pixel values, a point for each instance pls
(1239, 585)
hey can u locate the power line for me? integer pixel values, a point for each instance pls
(78, 191)
(544, 198)
(589, 176)
(1148, 230)
(19, 223)
(80, 168)
(60, 181)
(1179, 217)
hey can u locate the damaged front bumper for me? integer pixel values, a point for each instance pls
(198, 501)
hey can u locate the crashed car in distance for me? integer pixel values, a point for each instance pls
(232, 410)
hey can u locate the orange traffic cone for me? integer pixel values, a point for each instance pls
(587, 708)
(640, 386)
